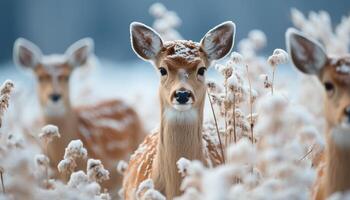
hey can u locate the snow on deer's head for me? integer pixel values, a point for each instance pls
(52, 71)
(334, 73)
(182, 64)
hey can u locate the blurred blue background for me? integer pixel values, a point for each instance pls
(54, 25)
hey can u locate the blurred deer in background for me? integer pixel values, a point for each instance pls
(109, 130)
(334, 73)
(182, 65)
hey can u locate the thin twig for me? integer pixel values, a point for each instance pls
(46, 167)
(217, 128)
(2, 182)
(225, 111)
(308, 153)
(234, 118)
(273, 79)
(251, 107)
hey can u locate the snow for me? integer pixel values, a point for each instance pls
(66, 165)
(269, 169)
(122, 166)
(96, 171)
(75, 149)
(41, 160)
(343, 69)
(48, 132)
(182, 165)
(185, 49)
(278, 57)
(318, 25)
(242, 152)
(77, 178)
(237, 58)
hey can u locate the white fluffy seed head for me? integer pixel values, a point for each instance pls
(48, 132)
(122, 166)
(278, 57)
(41, 161)
(96, 171)
(75, 149)
(182, 165)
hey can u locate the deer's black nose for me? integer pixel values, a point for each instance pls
(182, 96)
(55, 97)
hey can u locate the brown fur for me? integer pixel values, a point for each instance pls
(333, 172)
(310, 58)
(82, 123)
(157, 156)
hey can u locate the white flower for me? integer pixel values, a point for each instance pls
(242, 152)
(77, 178)
(75, 149)
(48, 132)
(182, 165)
(236, 58)
(96, 171)
(122, 166)
(258, 38)
(42, 161)
(66, 165)
(278, 57)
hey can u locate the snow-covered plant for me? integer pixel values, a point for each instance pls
(122, 166)
(5, 92)
(319, 26)
(278, 57)
(272, 162)
(165, 22)
(96, 171)
(146, 191)
(255, 41)
(73, 151)
(48, 133)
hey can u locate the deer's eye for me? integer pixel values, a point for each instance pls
(329, 87)
(201, 71)
(63, 78)
(163, 71)
(44, 78)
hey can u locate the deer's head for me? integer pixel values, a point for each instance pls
(182, 64)
(334, 73)
(52, 71)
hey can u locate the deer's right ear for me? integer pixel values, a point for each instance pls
(145, 41)
(306, 54)
(26, 54)
(218, 42)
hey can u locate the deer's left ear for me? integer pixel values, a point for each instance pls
(79, 52)
(218, 42)
(307, 54)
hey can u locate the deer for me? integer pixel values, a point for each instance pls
(309, 57)
(181, 65)
(110, 130)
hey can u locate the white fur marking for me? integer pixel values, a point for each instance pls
(341, 135)
(177, 116)
(55, 109)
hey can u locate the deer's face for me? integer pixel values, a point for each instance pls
(182, 82)
(334, 73)
(336, 80)
(52, 72)
(182, 64)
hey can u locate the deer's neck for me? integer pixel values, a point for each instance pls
(180, 135)
(337, 165)
(68, 127)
